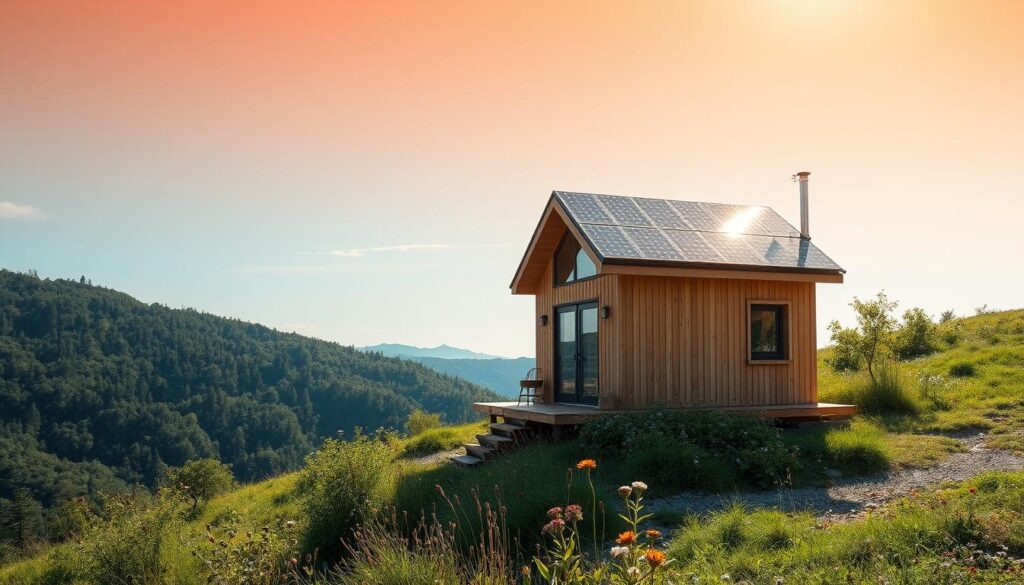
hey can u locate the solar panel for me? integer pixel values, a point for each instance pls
(652, 243)
(661, 213)
(624, 210)
(585, 208)
(610, 241)
(693, 247)
(634, 228)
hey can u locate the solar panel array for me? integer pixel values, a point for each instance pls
(635, 228)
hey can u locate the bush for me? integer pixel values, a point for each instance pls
(420, 421)
(123, 545)
(890, 394)
(344, 484)
(230, 556)
(200, 480)
(962, 370)
(711, 448)
(916, 337)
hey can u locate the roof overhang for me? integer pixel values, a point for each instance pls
(556, 220)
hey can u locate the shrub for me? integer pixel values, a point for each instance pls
(123, 545)
(961, 370)
(916, 336)
(200, 480)
(230, 556)
(890, 393)
(711, 448)
(344, 484)
(420, 421)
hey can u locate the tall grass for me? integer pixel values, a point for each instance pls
(893, 392)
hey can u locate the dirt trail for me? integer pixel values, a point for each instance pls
(849, 497)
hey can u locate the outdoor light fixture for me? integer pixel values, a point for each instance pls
(605, 311)
(543, 320)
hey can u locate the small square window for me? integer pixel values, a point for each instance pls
(768, 332)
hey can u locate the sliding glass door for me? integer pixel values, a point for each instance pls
(576, 356)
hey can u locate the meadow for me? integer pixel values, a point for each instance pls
(971, 381)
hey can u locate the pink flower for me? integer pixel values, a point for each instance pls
(555, 512)
(553, 527)
(573, 513)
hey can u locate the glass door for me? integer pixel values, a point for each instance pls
(576, 353)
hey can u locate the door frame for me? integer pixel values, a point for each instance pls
(557, 354)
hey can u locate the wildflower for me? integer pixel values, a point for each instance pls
(627, 537)
(289, 524)
(655, 558)
(726, 577)
(633, 571)
(573, 513)
(779, 581)
(625, 490)
(640, 486)
(525, 571)
(973, 490)
(555, 512)
(587, 464)
(293, 561)
(652, 533)
(618, 551)
(553, 527)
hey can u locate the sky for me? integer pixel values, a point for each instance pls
(370, 172)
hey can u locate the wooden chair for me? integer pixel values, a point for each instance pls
(529, 387)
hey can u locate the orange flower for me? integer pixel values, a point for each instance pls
(653, 533)
(655, 558)
(627, 537)
(587, 464)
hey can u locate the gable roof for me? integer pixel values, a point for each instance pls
(637, 231)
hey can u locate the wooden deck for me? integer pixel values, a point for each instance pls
(572, 414)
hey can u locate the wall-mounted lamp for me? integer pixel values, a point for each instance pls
(606, 312)
(543, 320)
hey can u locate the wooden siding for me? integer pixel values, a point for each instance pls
(682, 341)
(604, 290)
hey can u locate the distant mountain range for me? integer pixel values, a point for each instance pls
(446, 352)
(499, 374)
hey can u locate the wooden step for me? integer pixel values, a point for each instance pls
(515, 421)
(479, 451)
(467, 460)
(495, 441)
(506, 429)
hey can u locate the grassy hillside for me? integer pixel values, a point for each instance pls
(99, 391)
(973, 381)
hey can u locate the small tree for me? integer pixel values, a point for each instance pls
(947, 316)
(201, 479)
(420, 421)
(871, 339)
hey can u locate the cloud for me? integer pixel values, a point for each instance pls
(356, 252)
(359, 252)
(11, 210)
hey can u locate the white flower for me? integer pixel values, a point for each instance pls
(618, 551)
(633, 571)
(639, 485)
(726, 577)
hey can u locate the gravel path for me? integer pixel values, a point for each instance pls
(848, 498)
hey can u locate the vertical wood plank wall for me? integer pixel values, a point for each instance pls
(683, 341)
(604, 290)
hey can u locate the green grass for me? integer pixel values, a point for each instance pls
(928, 539)
(442, 438)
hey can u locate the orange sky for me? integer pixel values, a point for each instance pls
(274, 132)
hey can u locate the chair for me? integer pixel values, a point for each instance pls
(529, 387)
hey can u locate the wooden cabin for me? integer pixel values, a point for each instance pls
(643, 302)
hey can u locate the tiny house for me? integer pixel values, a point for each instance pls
(643, 302)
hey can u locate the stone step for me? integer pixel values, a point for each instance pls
(495, 441)
(479, 451)
(467, 460)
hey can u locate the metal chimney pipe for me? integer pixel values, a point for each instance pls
(805, 229)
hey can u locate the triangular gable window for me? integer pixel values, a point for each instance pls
(572, 262)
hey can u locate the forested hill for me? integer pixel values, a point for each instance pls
(99, 390)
